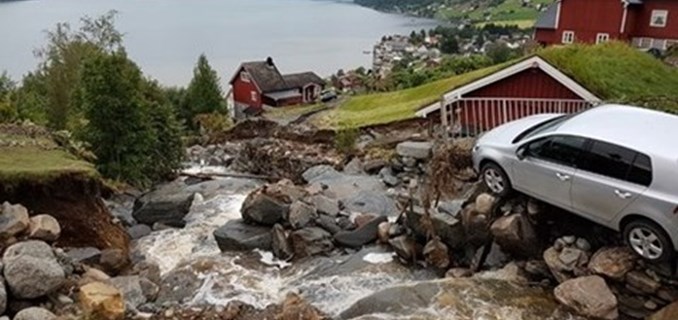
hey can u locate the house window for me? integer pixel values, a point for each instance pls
(253, 95)
(568, 36)
(244, 76)
(658, 19)
(602, 37)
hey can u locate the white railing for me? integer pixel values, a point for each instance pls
(469, 117)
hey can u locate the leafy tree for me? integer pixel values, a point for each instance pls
(499, 52)
(62, 59)
(30, 99)
(449, 45)
(7, 108)
(204, 94)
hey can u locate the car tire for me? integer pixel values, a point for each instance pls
(496, 179)
(649, 241)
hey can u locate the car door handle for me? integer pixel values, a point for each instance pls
(622, 194)
(562, 177)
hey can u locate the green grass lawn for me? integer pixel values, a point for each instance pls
(508, 12)
(523, 24)
(614, 71)
(38, 160)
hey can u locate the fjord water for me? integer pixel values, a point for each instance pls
(165, 37)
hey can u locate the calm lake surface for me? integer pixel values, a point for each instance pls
(165, 37)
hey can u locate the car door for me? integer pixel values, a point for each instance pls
(547, 168)
(608, 179)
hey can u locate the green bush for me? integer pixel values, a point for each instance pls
(346, 137)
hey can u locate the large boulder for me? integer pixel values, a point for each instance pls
(516, 235)
(102, 301)
(642, 282)
(35, 313)
(260, 208)
(566, 263)
(31, 269)
(365, 234)
(311, 241)
(370, 201)
(130, 287)
(669, 312)
(614, 262)
(236, 235)
(13, 220)
(167, 205)
(589, 296)
(413, 149)
(301, 214)
(320, 172)
(325, 205)
(44, 227)
(449, 229)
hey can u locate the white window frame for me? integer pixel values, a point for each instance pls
(245, 77)
(568, 37)
(602, 37)
(657, 14)
(253, 96)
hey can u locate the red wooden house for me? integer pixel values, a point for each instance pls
(531, 86)
(260, 83)
(645, 23)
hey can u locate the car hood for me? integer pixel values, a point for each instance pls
(505, 133)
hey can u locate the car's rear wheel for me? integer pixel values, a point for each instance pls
(649, 240)
(496, 179)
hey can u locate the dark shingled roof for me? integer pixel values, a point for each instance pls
(547, 19)
(298, 80)
(266, 75)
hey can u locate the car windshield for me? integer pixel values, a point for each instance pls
(546, 126)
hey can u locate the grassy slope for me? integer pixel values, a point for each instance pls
(507, 11)
(614, 71)
(37, 160)
(388, 107)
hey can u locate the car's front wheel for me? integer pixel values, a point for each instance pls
(649, 240)
(496, 179)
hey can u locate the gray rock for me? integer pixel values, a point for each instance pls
(325, 205)
(149, 289)
(372, 166)
(613, 262)
(357, 238)
(569, 240)
(516, 235)
(236, 235)
(571, 258)
(168, 205)
(583, 244)
(113, 260)
(367, 201)
(355, 166)
(321, 172)
(558, 269)
(281, 245)
(301, 214)
(262, 209)
(13, 220)
(31, 270)
(589, 296)
(44, 227)
(87, 255)
(390, 180)
(452, 208)
(450, 230)
(3, 296)
(139, 231)
(328, 223)
(130, 287)
(34, 313)
(311, 241)
(409, 163)
(417, 150)
(642, 282)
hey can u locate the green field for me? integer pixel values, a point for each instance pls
(507, 12)
(614, 71)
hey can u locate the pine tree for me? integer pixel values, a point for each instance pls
(204, 94)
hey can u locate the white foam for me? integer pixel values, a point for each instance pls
(379, 258)
(267, 258)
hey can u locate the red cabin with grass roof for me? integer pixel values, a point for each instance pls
(647, 24)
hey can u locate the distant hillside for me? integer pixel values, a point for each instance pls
(521, 12)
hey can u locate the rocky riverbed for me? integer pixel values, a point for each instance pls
(321, 236)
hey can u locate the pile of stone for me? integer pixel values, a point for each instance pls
(214, 154)
(333, 212)
(409, 163)
(41, 282)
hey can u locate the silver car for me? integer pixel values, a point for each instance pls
(615, 165)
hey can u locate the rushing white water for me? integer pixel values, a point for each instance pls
(197, 273)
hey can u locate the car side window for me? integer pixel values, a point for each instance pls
(563, 150)
(617, 162)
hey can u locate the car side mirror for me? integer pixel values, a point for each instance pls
(521, 153)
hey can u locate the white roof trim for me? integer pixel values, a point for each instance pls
(510, 71)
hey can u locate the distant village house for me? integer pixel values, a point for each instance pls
(260, 83)
(647, 24)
